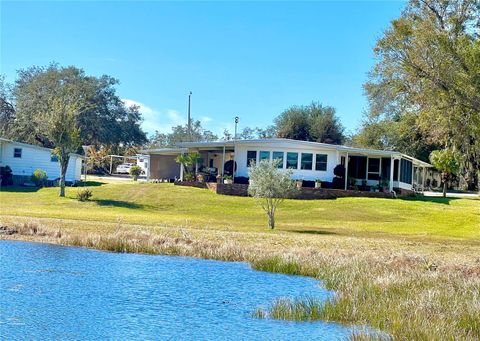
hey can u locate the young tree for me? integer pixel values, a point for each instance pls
(188, 161)
(270, 186)
(62, 130)
(446, 162)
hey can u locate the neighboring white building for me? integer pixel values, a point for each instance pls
(24, 159)
(308, 160)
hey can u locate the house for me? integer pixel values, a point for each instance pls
(309, 161)
(24, 159)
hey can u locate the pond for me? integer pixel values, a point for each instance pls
(56, 292)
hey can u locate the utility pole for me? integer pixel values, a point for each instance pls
(189, 124)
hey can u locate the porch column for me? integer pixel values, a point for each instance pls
(234, 160)
(392, 164)
(423, 179)
(181, 172)
(346, 171)
(223, 161)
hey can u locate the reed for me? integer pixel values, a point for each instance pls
(387, 284)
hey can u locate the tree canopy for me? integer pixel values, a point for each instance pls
(180, 134)
(427, 77)
(102, 117)
(313, 122)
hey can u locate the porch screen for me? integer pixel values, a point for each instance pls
(406, 171)
(292, 160)
(278, 156)
(251, 157)
(373, 169)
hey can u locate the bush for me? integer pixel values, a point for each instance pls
(39, 177)
(84, 194)
(135, 172)
(6, 177)
(339, 171)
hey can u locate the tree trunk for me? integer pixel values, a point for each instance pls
(63, 172)
(444, 188)
(271, 220)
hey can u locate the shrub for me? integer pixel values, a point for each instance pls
(135, 172)
(6, 178)
(84, 194)
(339, 171)
(269, 186)
(39, 177)
(189, 177)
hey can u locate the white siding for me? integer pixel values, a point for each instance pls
(34, 158)
(332, 159)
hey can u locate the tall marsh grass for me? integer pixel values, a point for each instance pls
(390, 290)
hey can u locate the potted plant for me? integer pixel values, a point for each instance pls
(189, 177)
(318, 183)
(227, 180)
(201, 177)
(299, 183)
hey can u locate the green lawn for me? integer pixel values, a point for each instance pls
(408, 267)
(154, 204)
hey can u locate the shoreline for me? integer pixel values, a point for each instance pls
(371, 283)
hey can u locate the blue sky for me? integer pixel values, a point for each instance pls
(251, 59)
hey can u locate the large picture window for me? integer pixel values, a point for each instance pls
(264, 155)
(278, 156)
(292, 160)
(251, 157)
(373, 169)
(321, 162)
(307, 161)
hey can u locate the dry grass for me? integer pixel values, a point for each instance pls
(411, 290)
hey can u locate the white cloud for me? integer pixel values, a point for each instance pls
(161, 120)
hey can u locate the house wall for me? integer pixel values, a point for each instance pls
(37, 158)
(164, 167)
(327, 175)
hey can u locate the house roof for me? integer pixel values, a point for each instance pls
(2, 139)
(182, 147)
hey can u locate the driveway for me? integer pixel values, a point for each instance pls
(452, 195)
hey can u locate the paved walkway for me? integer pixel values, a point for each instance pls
(452, 195)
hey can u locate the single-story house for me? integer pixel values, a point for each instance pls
(24, 159)
(309, 161)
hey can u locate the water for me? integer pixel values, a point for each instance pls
(50, 292)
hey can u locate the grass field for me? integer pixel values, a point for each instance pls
(410, 267)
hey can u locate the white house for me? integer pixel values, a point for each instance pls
(308, 160)
(24, 159)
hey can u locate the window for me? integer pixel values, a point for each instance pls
(292, 160)
(321, 162)
(53, 158)
(264, 155)
(373, 169)
(210, 163)
(278, 156)
(17, 152)
(307, 161)
(251, 157)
